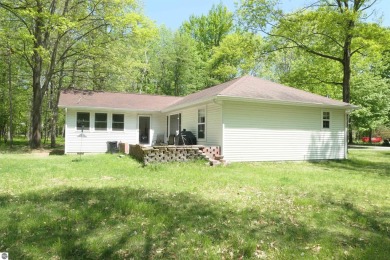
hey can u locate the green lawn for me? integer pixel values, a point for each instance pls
(105, 207)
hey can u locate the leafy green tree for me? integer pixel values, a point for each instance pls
(373, 95)
(56, 31)
(209, 30)
(175, 64)
(334, 30)
(297, 68)
(13, 88)
(183, 64)
(235, 56)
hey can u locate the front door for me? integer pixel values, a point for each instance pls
(174, 124)
(144, 129)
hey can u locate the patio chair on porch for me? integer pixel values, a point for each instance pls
(171, 140)
(159, 140)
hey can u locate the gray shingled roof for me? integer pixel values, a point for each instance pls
(126, 101)
(246, 87)
(249, 87)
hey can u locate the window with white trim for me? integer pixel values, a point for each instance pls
(118, 122)
(100, 121)
(82, 121)
(325, 119)
(201, 123)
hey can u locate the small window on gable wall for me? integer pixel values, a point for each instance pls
(325, 119)
(201, 123)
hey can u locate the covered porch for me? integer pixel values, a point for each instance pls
(173, 153)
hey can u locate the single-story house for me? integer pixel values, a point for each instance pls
(249, 118)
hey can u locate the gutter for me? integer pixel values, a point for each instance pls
(348, 107)
(108, 108)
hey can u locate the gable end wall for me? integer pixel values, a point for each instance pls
(264, 132)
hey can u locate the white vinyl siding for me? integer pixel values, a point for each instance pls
(214, 124)
(189, 121)
(158, 126)
(96, 140)
(264, 132)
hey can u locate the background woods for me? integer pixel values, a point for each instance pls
(332, 48)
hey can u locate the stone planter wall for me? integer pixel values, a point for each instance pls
(154, 154)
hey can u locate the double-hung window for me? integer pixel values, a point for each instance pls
(325, 119)
(82, 121)
(118, 122)
(100, 121)
(201, 123)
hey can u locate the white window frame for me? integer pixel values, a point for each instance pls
(89, 126)
(204, 123)
(94, 122)
(151, 132)
(169, 122)
(112, 122)
(326, 120)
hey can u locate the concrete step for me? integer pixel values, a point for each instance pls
(214, 162)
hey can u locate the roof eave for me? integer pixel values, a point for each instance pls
(110, 108)
(284, 102)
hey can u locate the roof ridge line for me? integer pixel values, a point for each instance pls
(230, 86)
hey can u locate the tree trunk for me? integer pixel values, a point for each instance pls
(36, 112)
(370, 136)
(54, 117)
(45, 122)
(347, 75)
(11, 132)
(350, 133)
(347, 62)
(53, 123)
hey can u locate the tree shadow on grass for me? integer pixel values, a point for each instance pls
(376, 223)
(22, 146)
(358, 166)
(125, 223)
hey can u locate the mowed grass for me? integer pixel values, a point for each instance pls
(105, 207)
